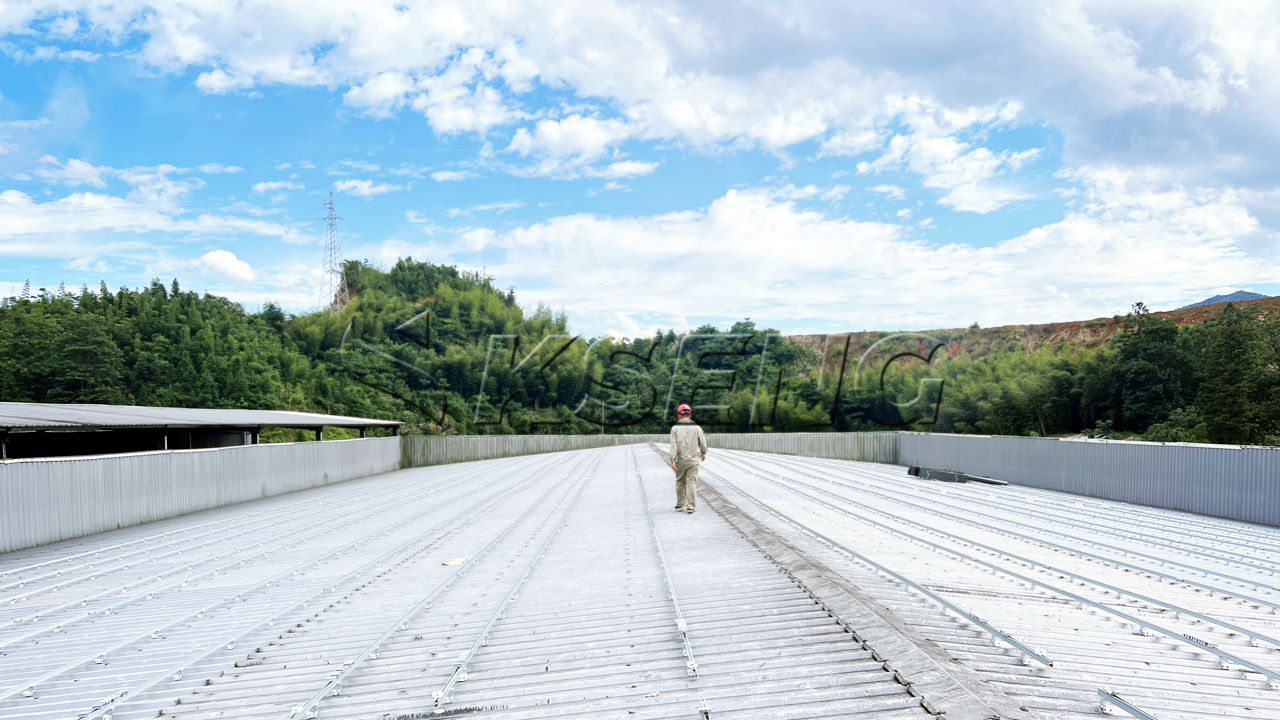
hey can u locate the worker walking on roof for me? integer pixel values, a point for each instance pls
(688, 448)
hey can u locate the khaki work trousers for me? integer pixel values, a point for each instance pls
(687, 484)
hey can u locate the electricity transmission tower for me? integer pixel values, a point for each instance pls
(333, 283)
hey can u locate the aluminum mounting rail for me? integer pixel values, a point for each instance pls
(444, 695)
(1179, 611)
(1273, 603)
(333, 686)
(1109, 701)
(1224, 657)
(99, 657)
(107, 707)
(691, 664)
(1027, 652)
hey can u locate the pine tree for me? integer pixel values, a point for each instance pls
(1230, 378)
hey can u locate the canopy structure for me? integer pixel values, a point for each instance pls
(46, 430)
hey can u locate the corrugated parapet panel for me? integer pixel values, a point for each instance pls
(1241, 483)
(49, 499)
(426, 450)
(879, 447)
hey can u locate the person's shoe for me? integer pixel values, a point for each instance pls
(679, 507)
(689, 511)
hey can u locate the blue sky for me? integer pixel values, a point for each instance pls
(647, 166)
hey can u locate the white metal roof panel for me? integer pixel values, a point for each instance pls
(543, 572)
(539, 580)
(1172, 612)
(34, 416)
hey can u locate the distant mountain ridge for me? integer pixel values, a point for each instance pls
(978, 343)
(1237, 296)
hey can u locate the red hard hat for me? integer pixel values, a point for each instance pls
(684, 410)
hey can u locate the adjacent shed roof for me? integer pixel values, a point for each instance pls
(42, 416)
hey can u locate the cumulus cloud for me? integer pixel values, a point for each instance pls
(365, 188)
(227, 265)
(695, 73)
(752, 253)
(891, 192)
(932, 148)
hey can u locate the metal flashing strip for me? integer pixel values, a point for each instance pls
(1027, 652)
(1224, 656)
(691, 664)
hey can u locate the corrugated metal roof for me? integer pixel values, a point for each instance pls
(1172, 612)
(534, 587)
(34, 416)
(534, 584)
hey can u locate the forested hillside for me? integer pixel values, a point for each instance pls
(448, 352)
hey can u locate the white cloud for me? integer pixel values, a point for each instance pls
(72, 173)
(452, 175)
(624, 168)
(498, 207)
(570, 145)
(227, 265)
(365, 188)
(276, 186)
(216, 168)
(932, 149)
(46, 52)
(834, 193)
(361, 165)
(696, 72)
(904, 213)
(891, 192)
(84, 227)
(753, 254)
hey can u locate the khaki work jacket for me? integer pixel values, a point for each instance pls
(688, 444)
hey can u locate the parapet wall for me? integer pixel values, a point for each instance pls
(50, 499)
(425, 450)
(44, 500)
(1229, 481)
